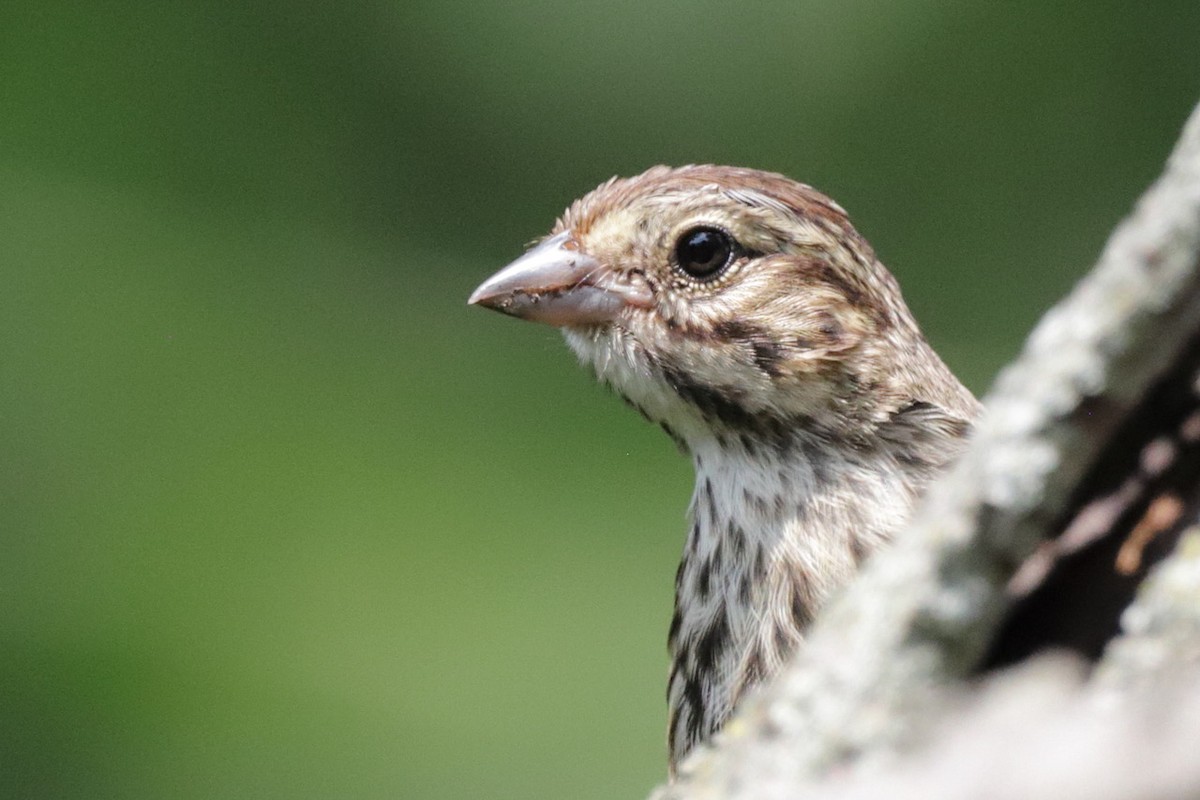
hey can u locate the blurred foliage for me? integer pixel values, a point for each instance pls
(281, 516)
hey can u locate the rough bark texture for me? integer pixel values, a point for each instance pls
(1068, 525)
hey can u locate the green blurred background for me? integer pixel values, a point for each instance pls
(281, 516)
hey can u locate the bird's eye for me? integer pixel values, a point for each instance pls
(704, 252)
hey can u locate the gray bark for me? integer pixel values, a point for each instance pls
(1090, 446)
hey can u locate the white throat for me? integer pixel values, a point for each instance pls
(774, 532)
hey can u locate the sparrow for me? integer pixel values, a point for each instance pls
(742, 313)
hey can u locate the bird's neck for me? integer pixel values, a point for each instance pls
(774, 530)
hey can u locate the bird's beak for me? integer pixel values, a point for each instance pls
(556, 283)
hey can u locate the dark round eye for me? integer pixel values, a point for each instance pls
(704, 252)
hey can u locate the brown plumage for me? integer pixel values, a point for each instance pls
(742, 313)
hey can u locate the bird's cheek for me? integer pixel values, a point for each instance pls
(673, 312)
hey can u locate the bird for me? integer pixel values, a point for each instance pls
(742, 313)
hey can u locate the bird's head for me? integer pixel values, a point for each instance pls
(727, 299)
